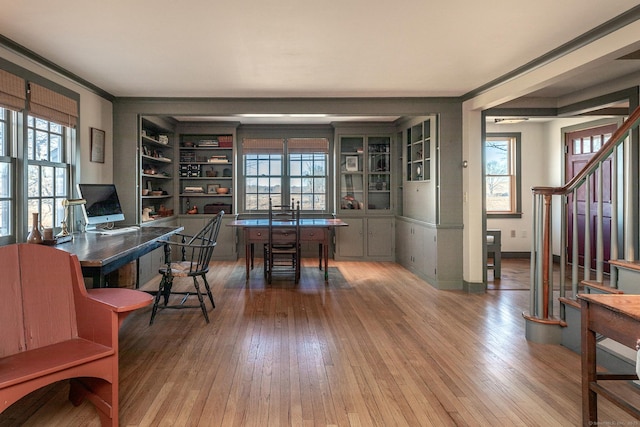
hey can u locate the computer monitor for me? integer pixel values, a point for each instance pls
(103, 205)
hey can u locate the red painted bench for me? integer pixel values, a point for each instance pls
(52, 329)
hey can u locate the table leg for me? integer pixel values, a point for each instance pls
(247, 259)
(320, 252)
(589, 397)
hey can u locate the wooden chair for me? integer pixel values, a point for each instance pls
(53, 329)
(282, 251)
(196, 255)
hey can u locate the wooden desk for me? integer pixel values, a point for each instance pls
(616, 317)
(100, 255)
(311, 230)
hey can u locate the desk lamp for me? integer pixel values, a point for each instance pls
(65, 204)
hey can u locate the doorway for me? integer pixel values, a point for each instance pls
(580, 146)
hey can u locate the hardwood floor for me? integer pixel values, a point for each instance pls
(382, 348)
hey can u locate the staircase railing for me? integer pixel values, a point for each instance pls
(542, 287)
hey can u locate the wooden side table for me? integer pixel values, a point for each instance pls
(616, 316)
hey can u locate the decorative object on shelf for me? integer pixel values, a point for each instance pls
(193, 210)
(145, 191)
(222, 190)
(211, 173)
(97, 145)
(164, 212)
(214, 208)
(212, 188)
(163, 139)
(156, 193)
(349, 202)
(146, 215)
(35, 236)
(226, 172)
(351, 163)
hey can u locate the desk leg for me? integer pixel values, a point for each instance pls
(589, 397)
(99, 280)
(325, 248)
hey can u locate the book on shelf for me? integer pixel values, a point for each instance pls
(193, 190)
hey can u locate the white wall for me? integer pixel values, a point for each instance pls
(534, 164)
(95, 111)
(542, 165)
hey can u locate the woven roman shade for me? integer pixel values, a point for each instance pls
(52, 106)
(263, 146)
(12, 93)
(308, 145)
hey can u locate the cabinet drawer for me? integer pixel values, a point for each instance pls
(279, 235)
(258, 234)
(313, 234)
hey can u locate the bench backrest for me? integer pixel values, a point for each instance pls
(36, 299)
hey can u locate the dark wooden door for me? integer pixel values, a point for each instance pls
(580, 147)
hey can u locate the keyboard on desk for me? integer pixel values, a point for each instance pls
(114, 231)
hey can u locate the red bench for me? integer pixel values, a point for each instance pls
(52, 329)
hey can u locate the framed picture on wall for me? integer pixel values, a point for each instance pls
(97, 145)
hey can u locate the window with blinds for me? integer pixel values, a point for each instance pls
(43, 157)
(285, 170)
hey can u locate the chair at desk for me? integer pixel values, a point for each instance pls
(282, 252)
(196, 254)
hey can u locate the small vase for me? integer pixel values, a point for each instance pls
(35, 236)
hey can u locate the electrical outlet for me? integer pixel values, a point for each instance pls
(523, 234)
(513, 233)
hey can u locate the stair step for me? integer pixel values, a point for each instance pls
(629, 265)
(600, 287)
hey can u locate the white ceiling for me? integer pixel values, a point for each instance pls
(293, 48)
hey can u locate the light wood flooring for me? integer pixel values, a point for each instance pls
(381, 348)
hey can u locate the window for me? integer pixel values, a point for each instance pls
(48, 172)
(37, 138)
(285, 170)
(308, 159)
(502, 174)
(6, 169)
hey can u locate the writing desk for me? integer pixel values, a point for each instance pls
(99, 254)
(616, 317)
(311, 230)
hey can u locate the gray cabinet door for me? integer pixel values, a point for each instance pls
(380, 237)
(226, 243)
(350, 240)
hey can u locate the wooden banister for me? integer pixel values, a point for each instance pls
(592, 164)
(541, 287)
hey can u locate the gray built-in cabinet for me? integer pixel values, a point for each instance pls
(366, 194)
(206, 163)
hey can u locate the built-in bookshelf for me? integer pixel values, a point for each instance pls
(205, 171)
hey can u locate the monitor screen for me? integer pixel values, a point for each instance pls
(103, 205)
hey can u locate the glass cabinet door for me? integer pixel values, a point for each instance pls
(351, 173)
(365, 173)
(379, 172)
